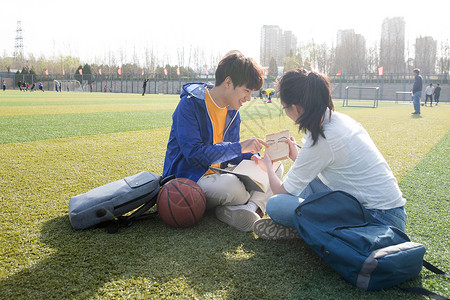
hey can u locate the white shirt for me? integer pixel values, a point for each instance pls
(429, 90)
(346, 160)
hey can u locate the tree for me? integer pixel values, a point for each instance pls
(443, 65)
(87, 69)
(392, 45)
(373, 60)
(87, 73)
(350, 52)
(77, 74)
(324, 57)
(292, 62)
(273, 69)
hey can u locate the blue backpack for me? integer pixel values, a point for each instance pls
(367, 253)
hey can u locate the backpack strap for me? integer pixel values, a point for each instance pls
(435, 270)
(426, 292)
(139, 214)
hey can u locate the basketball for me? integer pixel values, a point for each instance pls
(181, 202)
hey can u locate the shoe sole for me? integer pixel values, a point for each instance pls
(240, 219)
(268, 230)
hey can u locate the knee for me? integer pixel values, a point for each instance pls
(273, 204)
(231, 184)
(225, 189)
(270, 205)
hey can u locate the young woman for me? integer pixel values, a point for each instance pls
(338, 154)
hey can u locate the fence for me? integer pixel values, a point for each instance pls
(388, 84)
(125, 83)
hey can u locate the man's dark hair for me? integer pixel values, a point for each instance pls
(243, 71)
(310, 91)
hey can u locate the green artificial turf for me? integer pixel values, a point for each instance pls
(17, 129)
(42, 257)
(32, 127)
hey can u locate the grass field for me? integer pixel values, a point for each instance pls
(54, 146)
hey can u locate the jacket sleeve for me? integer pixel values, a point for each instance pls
(191, 134)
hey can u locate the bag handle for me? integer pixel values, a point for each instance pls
(318, 196)
(166, 179)
(425, 292)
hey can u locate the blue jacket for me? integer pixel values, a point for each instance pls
(190, 150)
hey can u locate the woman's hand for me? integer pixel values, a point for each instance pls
(265, 163)
(293, 149)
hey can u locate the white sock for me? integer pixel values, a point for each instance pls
(252, 206)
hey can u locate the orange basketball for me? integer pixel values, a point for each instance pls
(181, 202)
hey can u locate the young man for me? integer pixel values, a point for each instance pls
(205, 132)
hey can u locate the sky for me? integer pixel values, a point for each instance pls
(93, 29)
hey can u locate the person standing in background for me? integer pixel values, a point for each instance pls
(437, 94)
(429, 91)
(417, 91)
(144, 86)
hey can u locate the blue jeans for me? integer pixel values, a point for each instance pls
(281, 207)
(416, 101)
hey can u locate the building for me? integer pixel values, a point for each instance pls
(350, 52)
(288, 45)
(425, 55)
(276, 44)
(392, 45)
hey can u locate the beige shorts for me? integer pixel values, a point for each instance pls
(227, 189)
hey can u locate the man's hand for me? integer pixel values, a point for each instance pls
(253, 145)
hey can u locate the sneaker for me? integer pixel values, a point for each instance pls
(268, 230)
(240, 216)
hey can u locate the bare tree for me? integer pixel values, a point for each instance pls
(350, 52)
(180, 56)
(443, 64)
(373, 60)
(392, 45)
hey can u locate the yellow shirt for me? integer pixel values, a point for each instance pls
(218, 118)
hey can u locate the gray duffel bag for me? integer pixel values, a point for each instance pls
(111, 201)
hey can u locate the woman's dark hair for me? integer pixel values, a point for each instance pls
(243, 71)
(310, 91)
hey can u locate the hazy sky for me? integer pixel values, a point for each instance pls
(91, 29)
